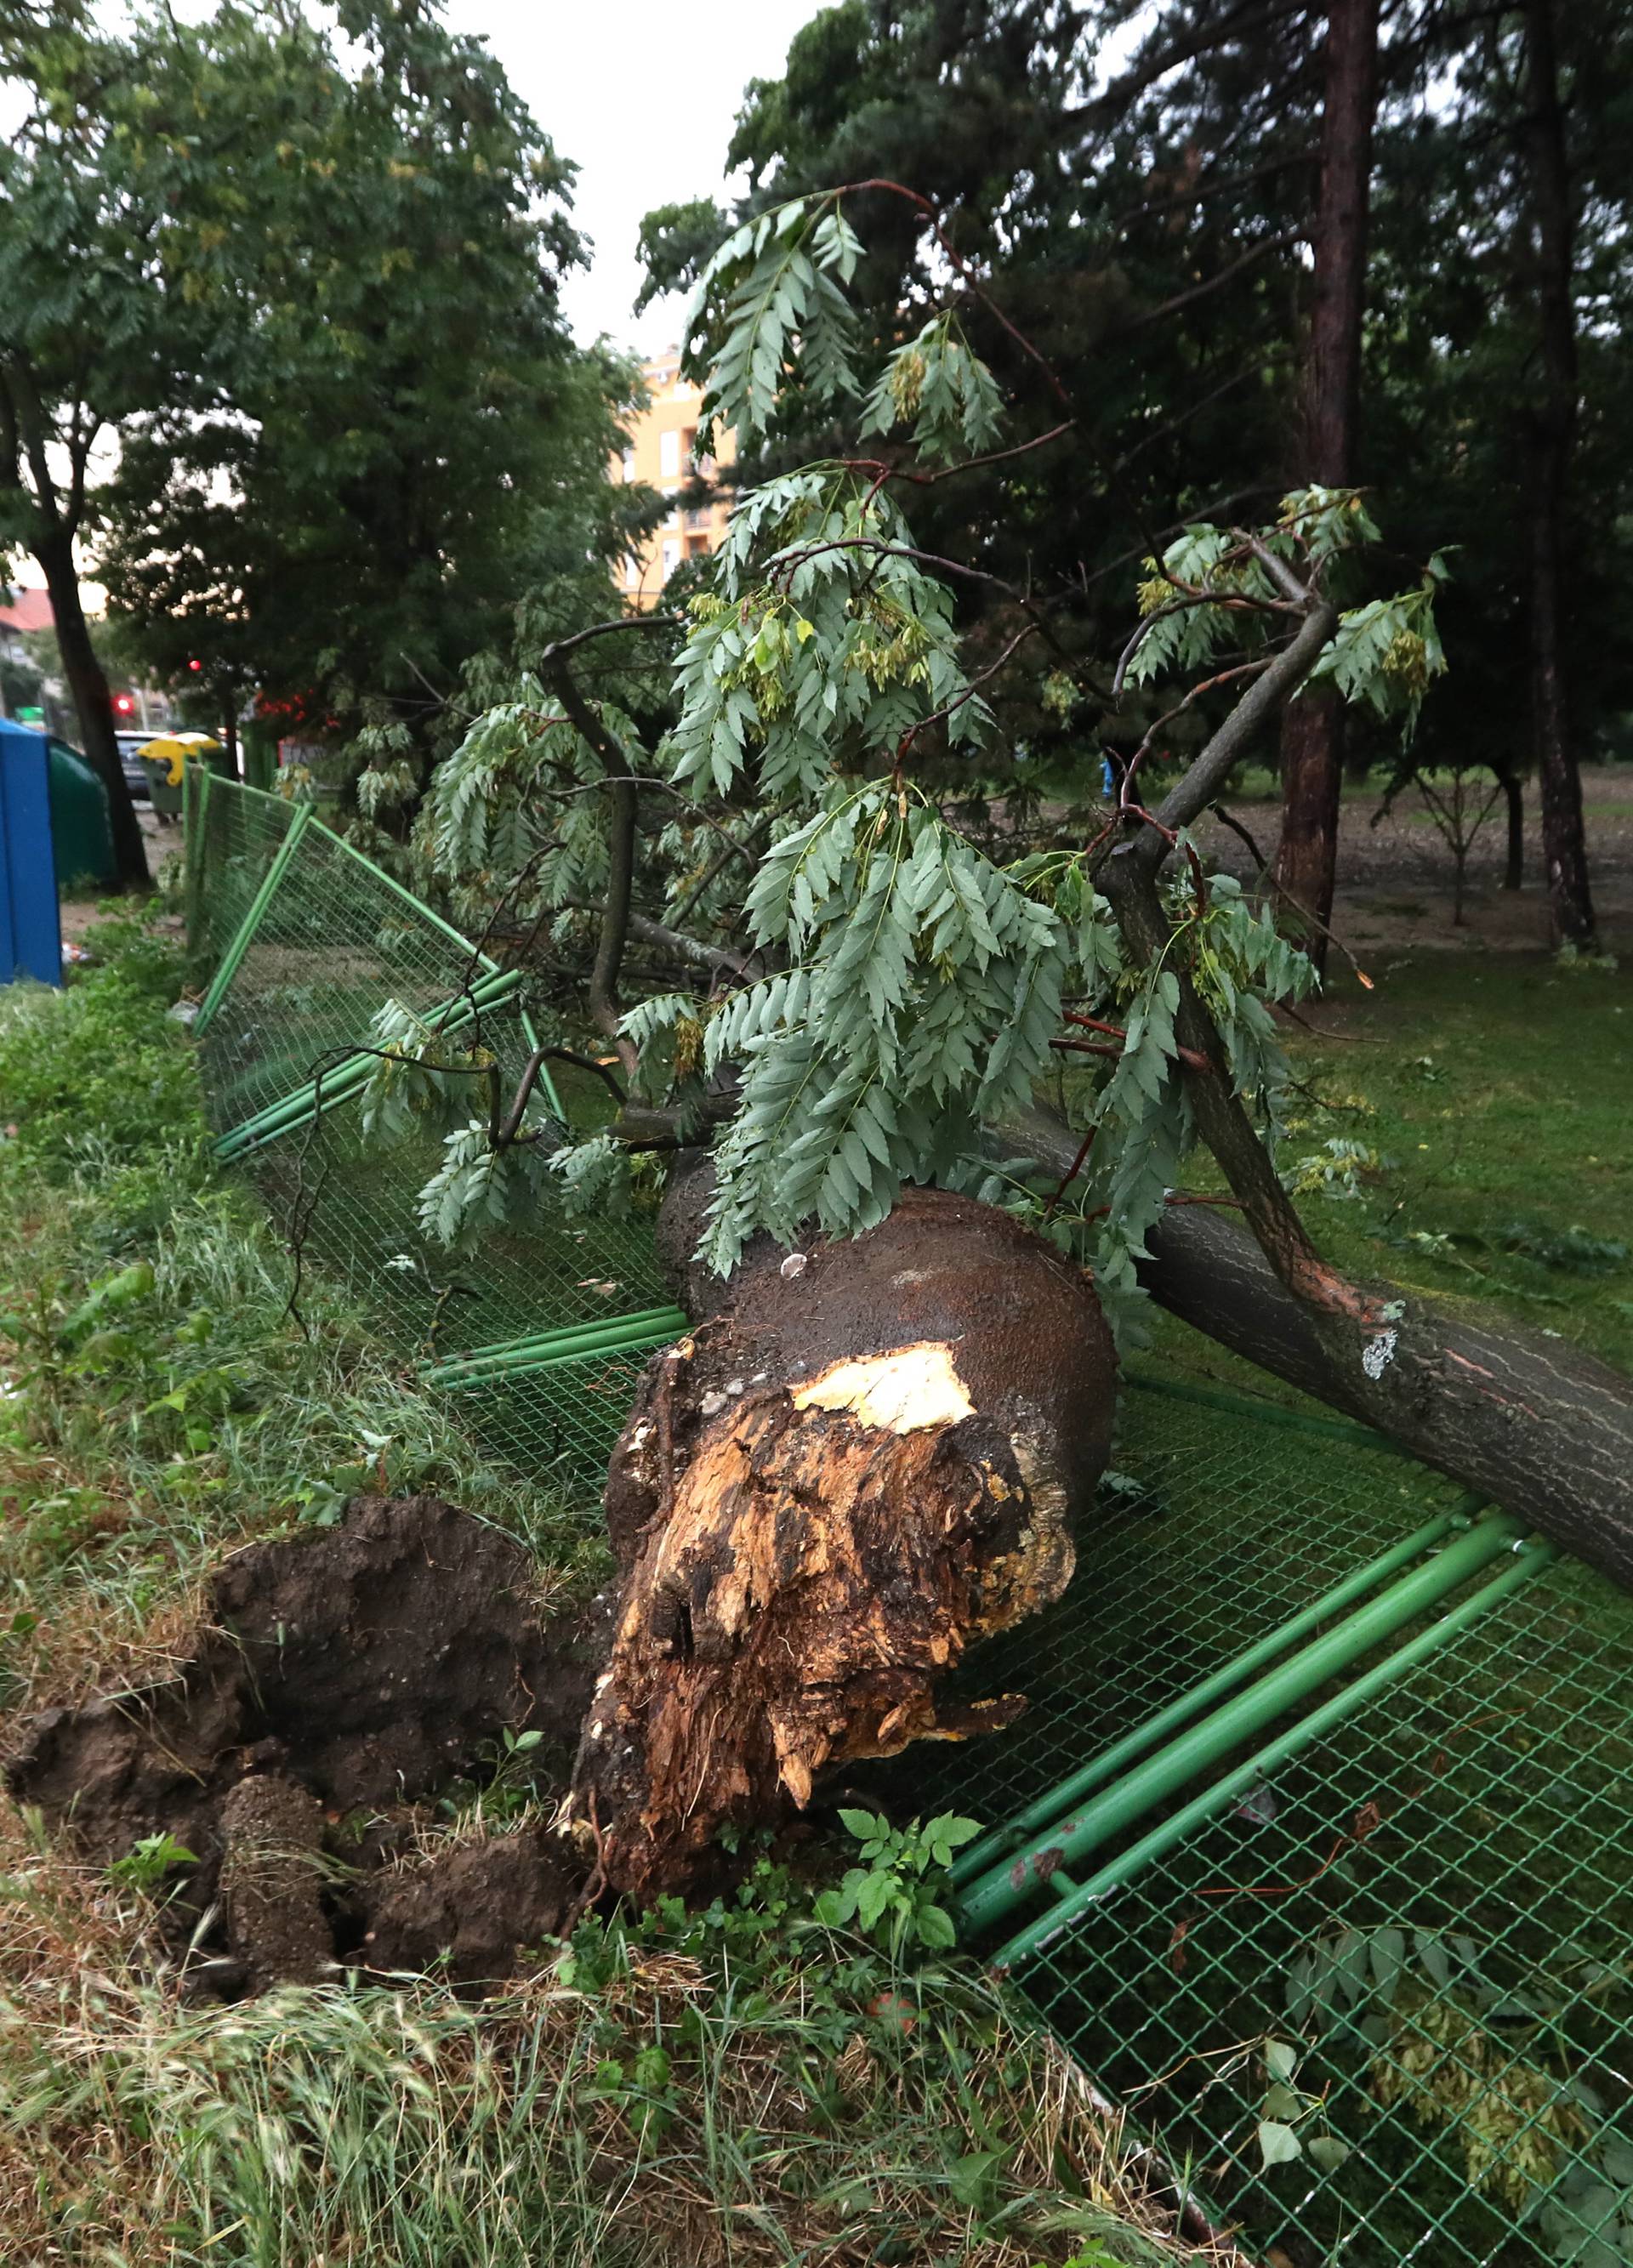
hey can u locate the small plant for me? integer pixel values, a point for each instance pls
(1289, 2115)
(146, 1863)
(892, 1894)
(1335, 1170)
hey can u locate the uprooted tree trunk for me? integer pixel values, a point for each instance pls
(872, 1456)
(1544, 1430)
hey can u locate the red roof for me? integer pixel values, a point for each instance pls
(26, 610)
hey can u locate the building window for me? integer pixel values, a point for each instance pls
(671, 555)
(698, 515)
(668, 454)
(697, 547)
(628, 464)
(689, 443)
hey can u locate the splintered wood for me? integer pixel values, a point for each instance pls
(823, 1497)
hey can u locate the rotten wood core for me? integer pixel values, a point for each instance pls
(874, 1456)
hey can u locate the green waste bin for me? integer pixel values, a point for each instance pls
(82, 832)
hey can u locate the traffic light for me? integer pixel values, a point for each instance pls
(124, 704)
(195, 666)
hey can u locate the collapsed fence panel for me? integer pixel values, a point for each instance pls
(1315, 1844)
(300, 942)
(1376, 1993)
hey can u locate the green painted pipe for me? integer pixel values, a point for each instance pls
(301, 1105)
(1032, 1941)
(569, 1346)
(548, 1342)
(1121, 1753)
(1013, 1881)
(529, 1366)
(251, 922)
(1267, 1413)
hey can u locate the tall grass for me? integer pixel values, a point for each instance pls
(727, 2090)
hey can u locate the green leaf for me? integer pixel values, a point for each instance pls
(1278, 2145)
(1280, 2059)
(1327, 2153)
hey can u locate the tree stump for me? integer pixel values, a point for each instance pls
(871, 1457)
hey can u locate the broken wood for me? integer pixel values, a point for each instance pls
(871, 1457)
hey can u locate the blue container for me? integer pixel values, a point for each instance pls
(31, 940)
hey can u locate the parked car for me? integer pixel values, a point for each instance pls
(130, 764)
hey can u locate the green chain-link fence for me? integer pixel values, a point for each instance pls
(1320, 1852)
(542, 1334)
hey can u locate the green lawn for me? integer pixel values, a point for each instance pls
(1498, 1095)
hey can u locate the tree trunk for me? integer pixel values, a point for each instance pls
(872, 1456)
(1550, 435)
(1544, 1431)
(92, 705)
(1313, 728)
(1514, 794)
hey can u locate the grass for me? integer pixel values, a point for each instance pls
(1493, 1092)
(741, 2087)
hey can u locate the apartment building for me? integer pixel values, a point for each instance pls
(662, 451)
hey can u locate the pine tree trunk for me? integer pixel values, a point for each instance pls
(1312, 726)
(1514, 864)
(873, 1457)
(1550, 435)
(93, 705)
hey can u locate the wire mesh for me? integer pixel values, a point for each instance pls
(1406, 1961)
(1403, 1966)
(335, 942)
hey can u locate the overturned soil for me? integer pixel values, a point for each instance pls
(334, 1686)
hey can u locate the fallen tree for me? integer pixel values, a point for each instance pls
(870, 1456)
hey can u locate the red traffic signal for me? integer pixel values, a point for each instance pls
(124, 702)
(196, 666)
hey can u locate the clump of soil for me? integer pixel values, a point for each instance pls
(468, 1909)
(360, 1671)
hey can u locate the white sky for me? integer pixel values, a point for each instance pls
(642, 97)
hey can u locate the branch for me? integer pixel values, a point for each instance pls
(603, 984)
(1192, 795)
(558, 652)
(1129, 882)
(717, 959)
(1209, 283)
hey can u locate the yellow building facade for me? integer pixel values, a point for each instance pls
(662, 451)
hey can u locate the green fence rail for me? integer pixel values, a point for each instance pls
(1315, 1846)
(299, 941)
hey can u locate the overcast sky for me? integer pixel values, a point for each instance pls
(642, 95)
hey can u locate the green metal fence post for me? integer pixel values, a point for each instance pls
(194, 804)
(1014, 1881)
(251, 922)
(1032, 1939)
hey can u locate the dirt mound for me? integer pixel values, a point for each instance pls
(469, 1909)
(365, 1669)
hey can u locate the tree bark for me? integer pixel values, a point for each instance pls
(1546, 1430)
(873, 1456)
(1550, 436)
(93, 703)
(1514, 864)
(1313, 728)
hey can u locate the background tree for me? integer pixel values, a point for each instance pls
(1146, 218)
(402, 431)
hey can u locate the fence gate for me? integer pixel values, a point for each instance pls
(1316, 1844)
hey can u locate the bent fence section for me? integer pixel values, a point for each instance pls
(303, 941)
(1316, 1843)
